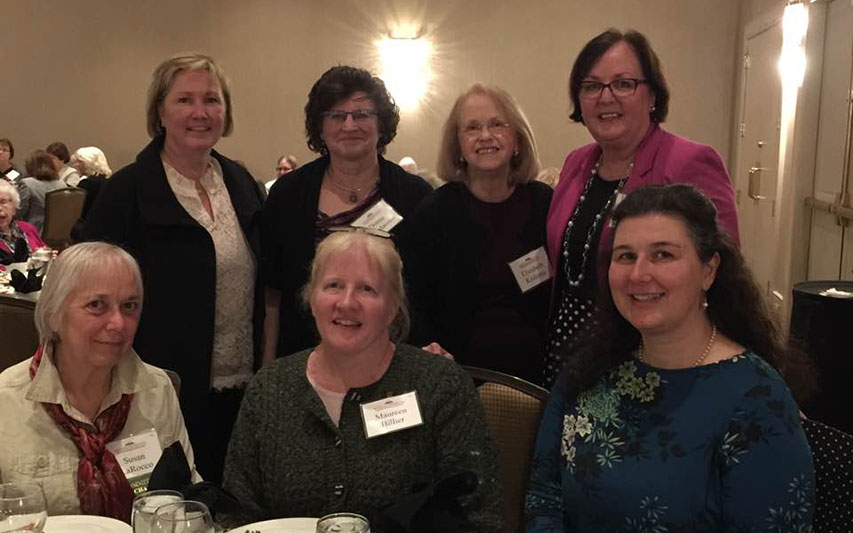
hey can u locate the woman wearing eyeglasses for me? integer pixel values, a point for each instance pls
(619, 93)
(476, 259)
(349, 120)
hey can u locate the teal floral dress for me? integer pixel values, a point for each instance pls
(713, 448)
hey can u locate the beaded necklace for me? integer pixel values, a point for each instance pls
(590, 235)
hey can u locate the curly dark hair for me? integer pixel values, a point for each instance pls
(652, 71)
(735, 303)
(341, 82)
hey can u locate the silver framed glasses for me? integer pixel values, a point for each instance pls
(619, 87)
(474, 129)
(339, 116)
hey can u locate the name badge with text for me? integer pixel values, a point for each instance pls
(391, 414)
(137, 455)
(531, 269)
(380, 217)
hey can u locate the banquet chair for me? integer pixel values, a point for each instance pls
(62, 208)
(832, 453)
(513, 409)
(175, 378)
(18, 335)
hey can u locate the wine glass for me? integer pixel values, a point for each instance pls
(146, 504)
(22, 508)
(185, 516)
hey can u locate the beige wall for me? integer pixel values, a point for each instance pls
(77, 70)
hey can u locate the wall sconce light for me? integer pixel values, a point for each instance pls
(406, 68)
(792, 60)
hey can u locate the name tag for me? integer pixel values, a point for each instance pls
(391, 414)
(13, 175)
(531, 269)
(137, 455)
(380, 217)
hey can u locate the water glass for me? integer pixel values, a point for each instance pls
(22, 508)
(343, 523)
(185, 516)
(146, 504)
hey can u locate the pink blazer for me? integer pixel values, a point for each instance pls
(31, 233)
(662, 158)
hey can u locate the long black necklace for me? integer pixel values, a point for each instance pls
(590, 235)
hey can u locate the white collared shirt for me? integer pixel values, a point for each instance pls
(34, 448)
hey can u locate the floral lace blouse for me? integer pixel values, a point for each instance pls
(713, 448)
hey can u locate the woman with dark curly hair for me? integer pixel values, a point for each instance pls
(349, 120)
(674, 415)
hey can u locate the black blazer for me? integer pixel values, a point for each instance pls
(288, 230)
(137, 210)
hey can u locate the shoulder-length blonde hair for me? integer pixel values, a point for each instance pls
(163, 78)
(523, 167)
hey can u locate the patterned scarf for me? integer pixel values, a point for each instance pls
(102, 486)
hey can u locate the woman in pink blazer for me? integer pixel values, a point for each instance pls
(619, 93)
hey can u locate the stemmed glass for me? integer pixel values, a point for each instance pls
(183, 517)
(22, 508)
(146, 504)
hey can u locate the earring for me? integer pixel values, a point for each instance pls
(652, 108)
(462, 161)
(515, 153)
(705, 303)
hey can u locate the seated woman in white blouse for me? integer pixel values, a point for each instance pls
(85, 388)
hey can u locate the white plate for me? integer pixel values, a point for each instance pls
(85, 524)
(279, 525)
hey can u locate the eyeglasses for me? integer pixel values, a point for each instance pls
(5, 201)
(339, 116)
(618, 87)
(473, 130)
(5, 149)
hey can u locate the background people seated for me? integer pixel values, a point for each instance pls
(349, 120)
(94, 170)
(14, 233)
(300, 446)
(67, 173)
(85, 388)
(672, 415)
(188, 214)
(465, 235)
(42, 178)
(8, 171)
(619, 93)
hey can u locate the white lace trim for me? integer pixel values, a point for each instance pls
(231, 364)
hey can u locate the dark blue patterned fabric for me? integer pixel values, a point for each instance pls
(713, 448)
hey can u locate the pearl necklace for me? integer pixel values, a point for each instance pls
(590, 235)
(700, 360)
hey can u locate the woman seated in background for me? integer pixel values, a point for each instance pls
(15, 234)
(350, 118)
(85, 387)
(61, 158)
(618, 91)
(306, 441)
(94, 170)
(41, 179)
(468, 259)
(673, 415)
(8, 171)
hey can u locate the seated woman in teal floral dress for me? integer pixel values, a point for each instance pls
(674, 416)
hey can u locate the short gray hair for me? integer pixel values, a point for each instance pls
(91, 161)
(66, 273)
(12, 191)
(382, 252)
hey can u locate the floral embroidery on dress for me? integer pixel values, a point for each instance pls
(793, 515)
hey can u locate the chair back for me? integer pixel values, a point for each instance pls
(175, 378)
(832, 453)
(513, 409)
(18, 334)
(62, 208)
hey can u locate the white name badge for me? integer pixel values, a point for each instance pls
(13, 175)
(531, 269)
(391, 414)
(381, 217)
(137, 455)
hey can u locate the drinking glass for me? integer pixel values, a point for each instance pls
(185, 516)
(146, 504)
(22, 508)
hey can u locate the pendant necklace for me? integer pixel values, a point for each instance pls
(590, 235)
(699, 360)
(352, 194)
